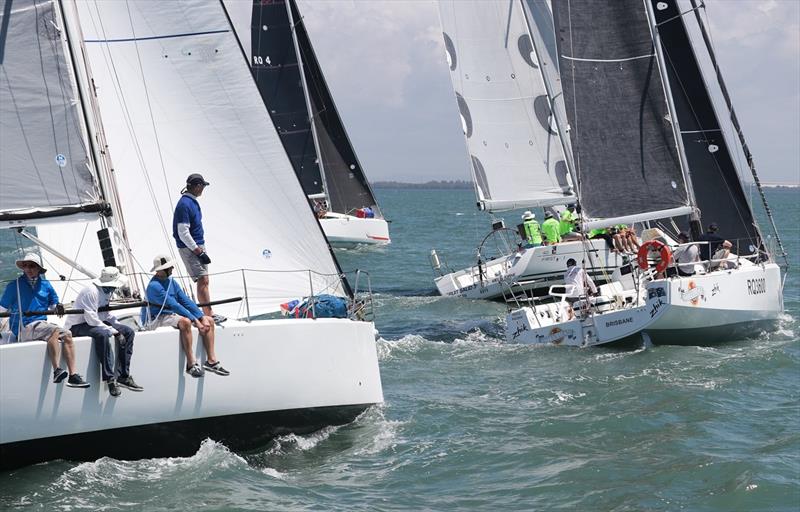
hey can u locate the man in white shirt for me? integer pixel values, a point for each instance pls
(578, 278)
(101, 325)
(686, 256)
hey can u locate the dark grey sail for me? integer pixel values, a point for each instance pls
(45, 163)
(347, 186)
(626, 157)
(717, 188)
(277, 72)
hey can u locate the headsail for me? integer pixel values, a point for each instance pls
(275, 36)
(347, 186)
(717, 187)
(517, 158)
(45, 164)
(626, 155)
(177, 97)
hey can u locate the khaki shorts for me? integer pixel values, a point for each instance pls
(193, 265)
(41, 330)
(168, 320)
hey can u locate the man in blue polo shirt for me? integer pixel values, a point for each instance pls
(170, 306)
(33, 292)
(187, 229)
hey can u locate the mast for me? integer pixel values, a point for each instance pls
(694, 222)
(311, 117)
(737, 126)
(112, 216)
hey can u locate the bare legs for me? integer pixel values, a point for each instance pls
(203, 294)
(206, 327)
(54, 351)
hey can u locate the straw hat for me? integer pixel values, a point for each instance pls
(528, 215)
(32, 257)
(162, 262)
(111, 277)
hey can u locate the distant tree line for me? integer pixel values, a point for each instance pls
(435, 184)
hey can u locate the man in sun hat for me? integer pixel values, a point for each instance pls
(531, 230)
(187, 229)
(33, 292)
(170, 306)
(101, 326)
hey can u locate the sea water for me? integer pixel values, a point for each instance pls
(472, 423)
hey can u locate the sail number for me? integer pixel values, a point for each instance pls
(756, 286)
(258, 60)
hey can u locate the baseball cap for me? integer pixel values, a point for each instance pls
(196, 179)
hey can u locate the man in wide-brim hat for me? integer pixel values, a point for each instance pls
(170, 306)
(32, 292)
(101, 326)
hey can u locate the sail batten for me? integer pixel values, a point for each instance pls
(45, 167)
(510, 131)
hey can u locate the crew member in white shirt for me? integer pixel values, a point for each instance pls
(101, 325)
(578, 278)
(686, 256)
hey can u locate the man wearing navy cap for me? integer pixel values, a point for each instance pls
(187, 228)
(713, 242)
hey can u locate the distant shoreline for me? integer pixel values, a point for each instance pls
(435, 184)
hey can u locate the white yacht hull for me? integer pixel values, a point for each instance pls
(287, 375)
(719, 306)
(533, 269)
(348, 231)
(547, 324)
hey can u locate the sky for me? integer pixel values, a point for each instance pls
(384, 61)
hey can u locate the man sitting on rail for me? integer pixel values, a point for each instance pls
(170, 306)
(568, 225)
(33, 292)
(101, 326)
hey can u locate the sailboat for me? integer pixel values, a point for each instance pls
(293, 87)
(669, 155)
(504, 72)
(162, 88)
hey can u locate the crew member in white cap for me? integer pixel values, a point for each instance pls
(101, 325)
(33, 292)
(170, 306)
(531, 229)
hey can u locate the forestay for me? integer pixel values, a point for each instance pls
(177, 97)
(45, 169)
(626, 156)
(517, 158)
(717, 188)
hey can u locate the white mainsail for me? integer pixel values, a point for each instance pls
(45, 168)
(517, 158)
(176, 97)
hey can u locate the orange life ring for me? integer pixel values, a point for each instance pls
(664, 252)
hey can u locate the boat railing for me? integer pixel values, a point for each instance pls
(714, 264)
(249, 287)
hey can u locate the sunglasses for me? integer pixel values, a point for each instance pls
(29, 265)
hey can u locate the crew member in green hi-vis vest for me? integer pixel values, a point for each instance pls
(568, 225)
(533, 235)
(551, 229)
